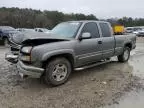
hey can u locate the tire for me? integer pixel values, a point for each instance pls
(57, 71)
(124, 57)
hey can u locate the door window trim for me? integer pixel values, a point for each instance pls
(97, 29)
(111, 34)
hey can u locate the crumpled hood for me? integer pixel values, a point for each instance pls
(36, 37)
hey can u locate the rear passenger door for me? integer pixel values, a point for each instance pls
(89, 50)
(108, 41)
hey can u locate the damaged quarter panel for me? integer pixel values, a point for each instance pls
(43, 52)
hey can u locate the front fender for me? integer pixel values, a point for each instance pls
(47, 55)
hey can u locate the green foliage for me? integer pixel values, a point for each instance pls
(130, 22)
(29, 18)
(127, 21)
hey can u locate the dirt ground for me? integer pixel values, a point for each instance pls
(90, 88)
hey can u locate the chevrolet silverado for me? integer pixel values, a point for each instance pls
(71, 45)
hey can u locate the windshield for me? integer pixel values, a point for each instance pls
(67, 29)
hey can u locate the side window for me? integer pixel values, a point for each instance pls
(40, 30)
(92, 28)
(105, 29)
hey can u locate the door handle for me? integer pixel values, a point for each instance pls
(99, 42)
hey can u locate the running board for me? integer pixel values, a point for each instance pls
(92, 65)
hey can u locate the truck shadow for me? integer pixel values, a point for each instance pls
(95, 69)
(103, 70)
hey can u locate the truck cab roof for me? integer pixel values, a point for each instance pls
(86, 21)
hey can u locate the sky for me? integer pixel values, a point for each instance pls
(100, 8)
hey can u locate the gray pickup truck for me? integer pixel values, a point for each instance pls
(72, 45)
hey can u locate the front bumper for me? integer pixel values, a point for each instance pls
(31, 71)
(11, 57)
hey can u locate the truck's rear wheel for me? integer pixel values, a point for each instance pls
(57, 71)
(124, 57)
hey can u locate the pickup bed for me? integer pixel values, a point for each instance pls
(71, 46)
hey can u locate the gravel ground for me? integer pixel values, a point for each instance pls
(90, 88)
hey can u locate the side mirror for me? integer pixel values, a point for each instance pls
(85, 35)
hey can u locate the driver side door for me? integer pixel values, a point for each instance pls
(89, 50)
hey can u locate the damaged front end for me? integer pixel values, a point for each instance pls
(12, 55)
(30, 39)
(25, 64)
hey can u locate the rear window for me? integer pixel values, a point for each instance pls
(105, 29)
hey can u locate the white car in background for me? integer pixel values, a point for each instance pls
(140, 33)
(45, 30)
(25, 30)
(129, 30)
(137, 30)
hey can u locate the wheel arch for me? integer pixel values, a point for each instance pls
(4, 37)
(128, 45)
(68, 56)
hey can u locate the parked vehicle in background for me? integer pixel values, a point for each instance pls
(118, 29)
(16, 40)
(140, 33)
(6, 32)
(137, 29)
(129, 30)
(72, 45)
(25, 30)
(45, 30)
(134, 30)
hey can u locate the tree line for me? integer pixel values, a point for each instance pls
(30, 18)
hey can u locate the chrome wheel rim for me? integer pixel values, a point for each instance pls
(59, 72)
(126, 54)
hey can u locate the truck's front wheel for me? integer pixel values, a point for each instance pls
(57, 71)
(124, 57)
